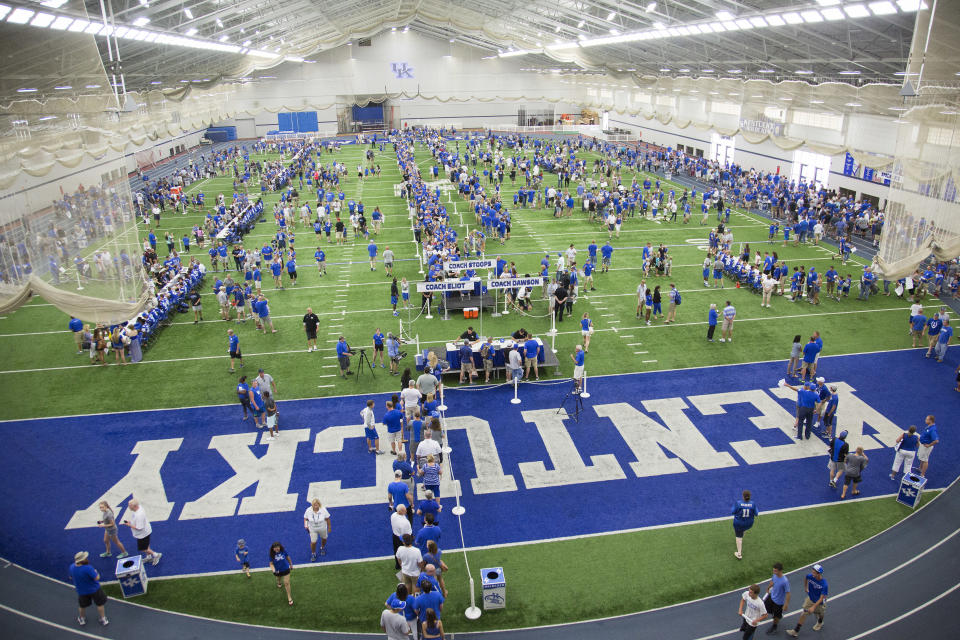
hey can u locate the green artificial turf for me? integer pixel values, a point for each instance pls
(43, 371)
(546, 583)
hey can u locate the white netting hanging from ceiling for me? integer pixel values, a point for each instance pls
(68, 227)
(923, 205)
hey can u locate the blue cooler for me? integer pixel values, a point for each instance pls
(494, 588)
(910, 489)
(132, 575)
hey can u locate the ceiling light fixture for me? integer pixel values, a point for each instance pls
(20, 16)
(142, 21)
(611, 16)
(724, 15)
(775, 20)
(65, 87)
(219, 23)
(42, 20)
(580, 24)
(792, 17)
(192, 31)
(765, 71)
(884, 8)
(188, 13)
(811, 15)
(856, 11)
(833, 13)
(849, 72)
(61, 23)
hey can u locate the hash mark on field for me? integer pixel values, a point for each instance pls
(327, 375)
(634, 344)
(648, 361)
(324, 386)
(640, 353)
(607, 315)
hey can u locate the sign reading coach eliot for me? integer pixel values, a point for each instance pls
(662, 436)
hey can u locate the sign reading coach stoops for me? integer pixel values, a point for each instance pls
(479, 263)
(641, 455)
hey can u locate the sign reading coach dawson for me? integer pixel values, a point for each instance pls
(445, 285)
(457, 265)
(511, 283)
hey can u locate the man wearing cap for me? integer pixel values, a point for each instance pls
(838, 455)
(141, 529)
(806, 401)
(394, 623)
(810, 351)
(86, 581)
(267, 383)
(815, 601)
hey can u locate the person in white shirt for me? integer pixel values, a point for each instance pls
(410, 398)
(141, 529)
(400, 526)
(410, 560)
(316, 520)
(571, 256)
(394, 624)
(370, 428)
(752, 610)
(515, 368)
(428, 447)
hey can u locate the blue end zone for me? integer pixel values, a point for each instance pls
(650, 449)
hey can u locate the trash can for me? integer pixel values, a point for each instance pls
(132, 576)
(910, 489)
(494, 588)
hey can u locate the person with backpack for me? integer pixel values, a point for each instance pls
(486, 356)
(673, 296)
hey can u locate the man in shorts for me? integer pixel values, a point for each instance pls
(815, 601)
(270, 408)
(310, 324)
(86, 580)
(468, 370)
(141, 529)
(194, 297)
(778, 596)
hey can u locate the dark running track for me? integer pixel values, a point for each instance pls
(891, 586)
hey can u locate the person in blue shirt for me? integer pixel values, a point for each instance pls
(810, 351)
(242, 554)
(531, 349)
(578, 358)
(233, 349)
(86, 582)
(429, 600)
(814, 602)
(839, 448)
(393, 421)
(378, 348)
(778, 596)
(866, 283)
(399, 494)
(372, 252)
(76, 326)
(906, 450)
(830, 411)
(430, 531)
(292, 271)
(712, 316)
(243, 395)
(321, 259)
(928, 439)
(343, 356)
(276, 268)
(606, 254)
(934, 325)
(744, 512)
(281, 565)
(806, 401)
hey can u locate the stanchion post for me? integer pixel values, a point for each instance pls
(473, 611)
(79, 285)
(442, 406)
(583, 390)
(516, 384)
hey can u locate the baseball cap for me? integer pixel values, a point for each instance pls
(843, 434)
(821, 379)
(818, 568)
(397, 473)
(241, 542)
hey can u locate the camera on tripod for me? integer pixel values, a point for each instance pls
(400, 356)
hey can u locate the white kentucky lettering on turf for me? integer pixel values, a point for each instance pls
(270, 472)
(486, 461)
(772, 416)
(647, 438)
(142, 480)
(568, 466)
(332, 494)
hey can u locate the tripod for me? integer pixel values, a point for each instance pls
(363, 362)
(572, 397)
